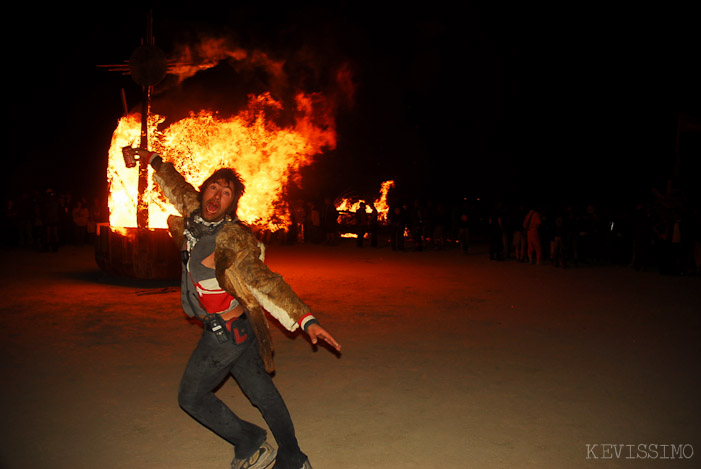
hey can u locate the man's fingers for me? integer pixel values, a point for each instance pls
(315, 333)
(332, 342)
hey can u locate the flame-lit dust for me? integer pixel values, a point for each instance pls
(265, 155)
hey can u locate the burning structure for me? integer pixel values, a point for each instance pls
(266, 156)
(347, 207)
(267, 153)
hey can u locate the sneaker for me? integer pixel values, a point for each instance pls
(263, 458)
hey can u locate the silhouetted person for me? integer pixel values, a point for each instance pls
(81, 217)
(373, 225)
(440, 226)
(397, 223)
(361, 223)
(313, 226)
(329, 221)
(532, 227)
(428, 219)
(416, 225)
(590, 235)
(299, 216)
(519, 235)
(559, 242)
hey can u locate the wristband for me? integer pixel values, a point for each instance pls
(307, 321)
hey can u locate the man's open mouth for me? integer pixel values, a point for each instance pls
(212, 207)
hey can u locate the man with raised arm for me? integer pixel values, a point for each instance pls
(227, 286)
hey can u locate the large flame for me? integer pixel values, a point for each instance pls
(266, 156)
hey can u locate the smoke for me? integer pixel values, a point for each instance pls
(217, 73)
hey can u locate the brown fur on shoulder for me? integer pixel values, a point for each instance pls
(226, 257)
(239, 268)
(176, 228)
(177, 190)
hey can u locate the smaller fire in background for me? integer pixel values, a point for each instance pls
(347, 207)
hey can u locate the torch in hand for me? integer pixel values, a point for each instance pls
(145, 157)
(132, 155)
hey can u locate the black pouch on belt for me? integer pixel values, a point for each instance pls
(216, 324)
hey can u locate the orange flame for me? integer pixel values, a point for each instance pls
(353, 205)
(265, 155)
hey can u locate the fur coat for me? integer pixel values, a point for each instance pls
(239, 266)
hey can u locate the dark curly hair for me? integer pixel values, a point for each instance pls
(233, 179)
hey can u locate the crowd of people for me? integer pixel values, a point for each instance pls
(662, 232)
(47, 220)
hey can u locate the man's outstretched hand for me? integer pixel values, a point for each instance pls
(132, 155)
(317, 332)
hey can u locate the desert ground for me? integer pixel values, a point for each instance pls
(448, 361)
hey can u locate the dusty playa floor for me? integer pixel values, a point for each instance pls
(449, 361)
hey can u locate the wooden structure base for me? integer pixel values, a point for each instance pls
(137, 253)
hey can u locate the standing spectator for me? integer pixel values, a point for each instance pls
(313, 229)
(510, 224)
(590, 236)
(373, 225)
(299, 216)
(416, 225)
(397, 223)
(81, 218)
(532, 227)
(329, 221)
(361, 223)
(519, 235)
(439, 227)
(428, 218)
(559, 242)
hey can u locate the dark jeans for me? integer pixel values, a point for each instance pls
(209, 365)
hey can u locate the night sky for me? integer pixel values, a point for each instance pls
(507, 103)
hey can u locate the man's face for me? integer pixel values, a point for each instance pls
(217, 199)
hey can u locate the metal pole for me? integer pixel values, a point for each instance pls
(141, 205)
